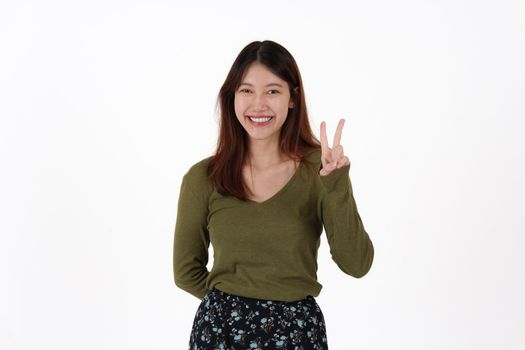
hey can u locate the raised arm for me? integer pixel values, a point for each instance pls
(350, 245)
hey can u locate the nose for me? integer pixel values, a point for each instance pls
(259, 102)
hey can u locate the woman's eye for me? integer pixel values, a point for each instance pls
(271, 92)
(244, 90)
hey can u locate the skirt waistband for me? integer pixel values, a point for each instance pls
(219, 294)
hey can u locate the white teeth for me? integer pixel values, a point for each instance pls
(260, 120)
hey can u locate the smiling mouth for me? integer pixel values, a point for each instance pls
(260, 119)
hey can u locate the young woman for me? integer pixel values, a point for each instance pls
(262, 201)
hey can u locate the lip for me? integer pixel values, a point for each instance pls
(260, 124)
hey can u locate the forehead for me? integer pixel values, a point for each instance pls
(259, 74)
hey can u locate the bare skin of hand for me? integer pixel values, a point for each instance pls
(332, 158)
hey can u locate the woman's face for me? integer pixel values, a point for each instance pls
(262, 95)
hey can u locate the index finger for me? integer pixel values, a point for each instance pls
(324, 140)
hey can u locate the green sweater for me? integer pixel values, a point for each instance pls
(267, 250)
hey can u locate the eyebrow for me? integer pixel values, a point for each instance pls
(271, 84)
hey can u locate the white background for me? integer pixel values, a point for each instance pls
(105, 104)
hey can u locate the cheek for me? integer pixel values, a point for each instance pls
(238, 107)
(281, 106)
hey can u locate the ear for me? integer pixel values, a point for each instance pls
(291, 104)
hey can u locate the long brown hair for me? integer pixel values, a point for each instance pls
(296, 137)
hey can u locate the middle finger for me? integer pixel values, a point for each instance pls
(338, 132)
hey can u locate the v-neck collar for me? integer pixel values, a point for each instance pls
(281, 191)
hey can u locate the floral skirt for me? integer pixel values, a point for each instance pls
(231, 322)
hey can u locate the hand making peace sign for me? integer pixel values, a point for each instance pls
(332, 158)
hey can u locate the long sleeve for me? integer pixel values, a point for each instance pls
(350, 246)
(191, 242)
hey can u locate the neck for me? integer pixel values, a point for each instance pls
(264, 153)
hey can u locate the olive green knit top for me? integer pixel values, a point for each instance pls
(267, 250)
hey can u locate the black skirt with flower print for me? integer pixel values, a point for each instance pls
(230, 322)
